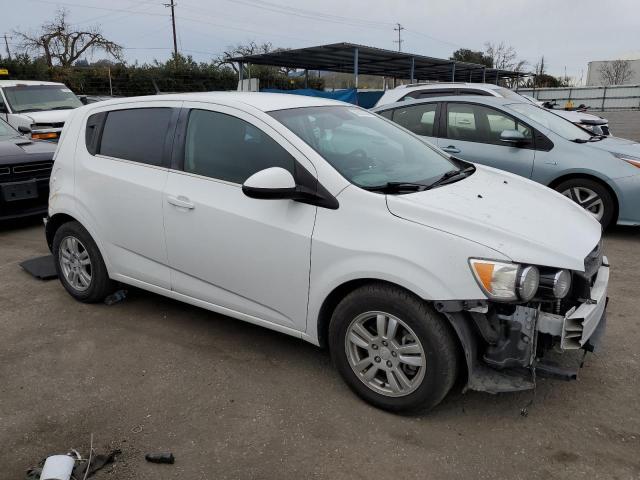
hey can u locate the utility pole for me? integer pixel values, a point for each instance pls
(173, 24)
(6, 44)
(399, 29)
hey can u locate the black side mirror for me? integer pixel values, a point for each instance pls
(24, 130)
(513, 137)
(84, 99)
(3, 108)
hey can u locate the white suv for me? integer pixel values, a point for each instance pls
(324, 221)
(588, 121)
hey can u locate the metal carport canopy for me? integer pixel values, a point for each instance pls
(363, 60)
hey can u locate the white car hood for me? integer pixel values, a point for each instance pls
(525, 221)
(47, 116)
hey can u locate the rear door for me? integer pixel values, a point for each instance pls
(120, 176)
(421, 119)
(472, 132)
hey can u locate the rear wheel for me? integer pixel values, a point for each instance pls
(79, 264)
(592, 196)
(393, 349)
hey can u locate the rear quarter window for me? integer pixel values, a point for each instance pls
(136, 134)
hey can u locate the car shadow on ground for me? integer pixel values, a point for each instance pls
(19, 223)
(285, 351)
(623, 232)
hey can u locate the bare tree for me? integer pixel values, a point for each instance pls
(239, 50)
(61, 44)
(616, 72)
(504, 57)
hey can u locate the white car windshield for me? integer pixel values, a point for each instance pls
(553, 122)
(366, 149)
(36, 98)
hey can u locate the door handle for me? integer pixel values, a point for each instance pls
(181, 202)
(451, 149)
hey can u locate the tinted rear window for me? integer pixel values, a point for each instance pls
(137, 134)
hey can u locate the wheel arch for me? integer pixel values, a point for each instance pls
(338, 293)
(54, 223)
(572, 176)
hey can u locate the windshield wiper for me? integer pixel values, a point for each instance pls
(28, 110)
(62, 108)
(597, 138)
(397, 187)
(450, 176)
(579, 140)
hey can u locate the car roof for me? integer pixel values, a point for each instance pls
(485, 100)
(418, 86)
(15, 83)
(262, 101)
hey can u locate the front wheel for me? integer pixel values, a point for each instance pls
(592, 196)
(393, 349)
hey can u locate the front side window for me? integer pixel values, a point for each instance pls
(366, 149)
(136, 134)
(420, 119)
(227, 148)
(476, 123)
(36, 98)
(553, 122)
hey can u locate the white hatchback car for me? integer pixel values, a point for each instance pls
(327, 222)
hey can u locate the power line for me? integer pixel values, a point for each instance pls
(399, 29)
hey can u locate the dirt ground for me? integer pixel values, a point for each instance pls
(236, 401)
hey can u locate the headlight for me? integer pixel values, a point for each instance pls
(557, 283)
(635, 161)
(528, 282)
(502, 281)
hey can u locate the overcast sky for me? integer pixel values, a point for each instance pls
(569, 33)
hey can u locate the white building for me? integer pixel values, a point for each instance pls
(594, 77)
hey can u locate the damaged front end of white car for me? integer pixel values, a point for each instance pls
(537, 321)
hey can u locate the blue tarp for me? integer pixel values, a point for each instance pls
(348, 95)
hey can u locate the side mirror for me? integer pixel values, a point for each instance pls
(3, 108)
(24, 130)
(271, 183)
(513, 137)
(276, 183)
(83, 99)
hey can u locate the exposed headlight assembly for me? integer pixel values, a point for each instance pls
(635, 161)
(505, 282)
(556, 284)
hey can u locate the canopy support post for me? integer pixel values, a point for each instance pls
(355, 66)
(413, 69)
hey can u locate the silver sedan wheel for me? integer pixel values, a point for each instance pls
(587, 199)
(75, 263)
(385, 354)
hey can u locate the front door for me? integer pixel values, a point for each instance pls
(472, 132)
(246, 255)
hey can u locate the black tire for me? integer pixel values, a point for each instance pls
(608, 203)
(100, 285)
(431, 329)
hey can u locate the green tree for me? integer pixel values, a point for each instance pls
(471, 56)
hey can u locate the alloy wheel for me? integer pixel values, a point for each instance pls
(385, 354)
(75, 263)
(587, 199)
